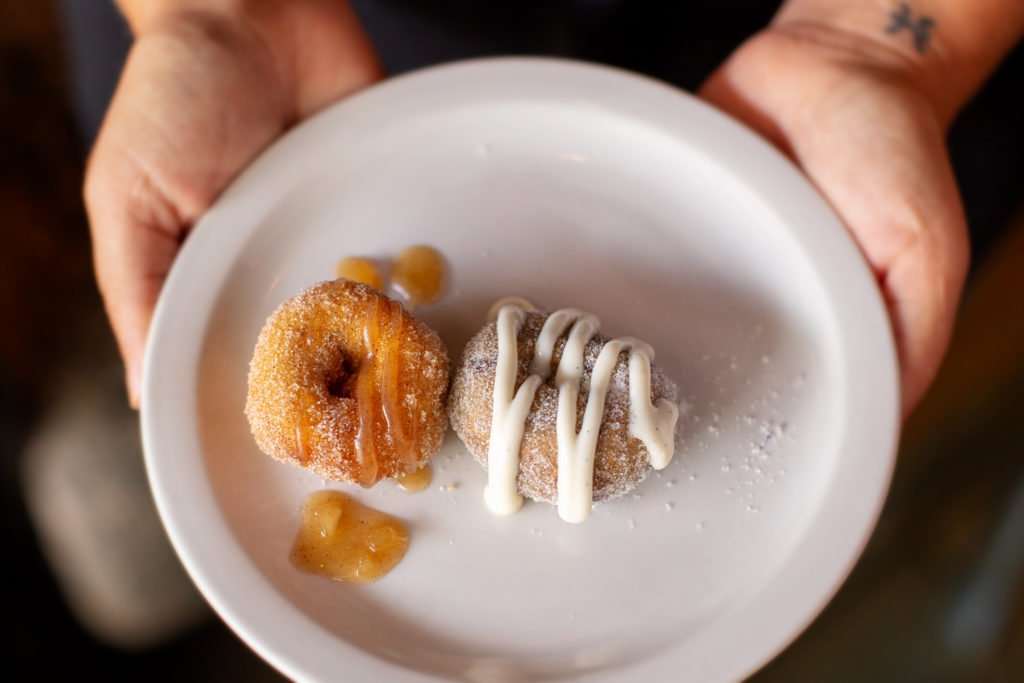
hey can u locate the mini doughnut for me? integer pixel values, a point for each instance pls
(621, 460)
(344, 382)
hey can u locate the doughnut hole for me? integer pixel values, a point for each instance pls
(341, 383)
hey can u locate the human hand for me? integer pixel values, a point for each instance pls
(206, 87)
(857, 118)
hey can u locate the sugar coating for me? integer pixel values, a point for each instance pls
(621, 461)
(300, 404)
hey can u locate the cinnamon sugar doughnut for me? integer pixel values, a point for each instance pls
(621, 460)
(344, 382)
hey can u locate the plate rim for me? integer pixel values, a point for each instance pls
(530, 76)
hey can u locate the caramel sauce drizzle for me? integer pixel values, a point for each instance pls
(303, 432)
(415, 481)
(366, 398)
(377, 385)
(390, 400)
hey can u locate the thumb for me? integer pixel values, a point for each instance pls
(135, 234)
(719, 92)
(168, 145)
(873, 147)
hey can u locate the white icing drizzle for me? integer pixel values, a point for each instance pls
(516, 301)
(653, 424)
(508, 419)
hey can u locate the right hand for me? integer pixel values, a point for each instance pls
(202, 93)
(871, 140)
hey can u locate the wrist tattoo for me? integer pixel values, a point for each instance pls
(920, 27)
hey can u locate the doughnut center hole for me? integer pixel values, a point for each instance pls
(342, 384)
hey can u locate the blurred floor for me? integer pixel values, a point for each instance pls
(936, 597)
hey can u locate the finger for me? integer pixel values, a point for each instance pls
(883, 167)
(922, 286)
(720, 91)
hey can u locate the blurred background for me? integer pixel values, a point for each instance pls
(937, 596)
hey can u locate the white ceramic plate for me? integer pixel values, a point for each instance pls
(571, 185)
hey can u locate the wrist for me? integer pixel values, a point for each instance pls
(145, 15)
(317, 47)
(943, 48)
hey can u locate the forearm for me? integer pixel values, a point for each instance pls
(317, 46)
(949, 47)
